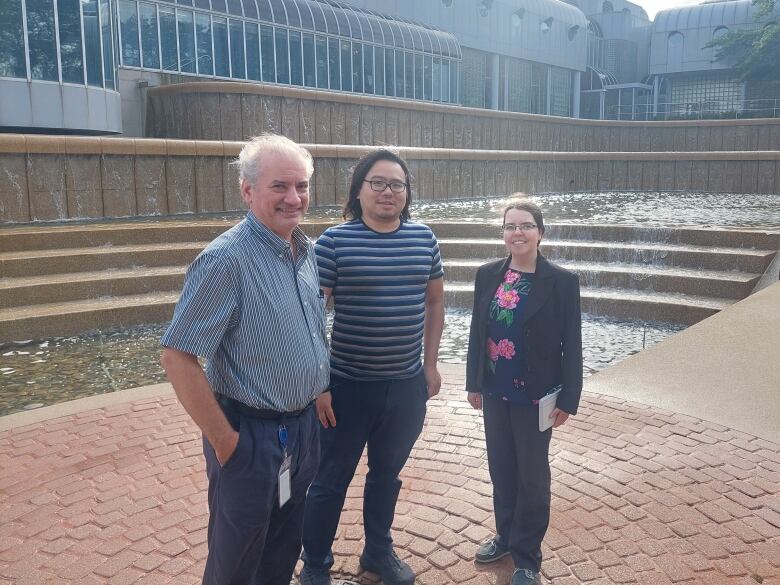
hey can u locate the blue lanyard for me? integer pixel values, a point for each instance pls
(282, 433)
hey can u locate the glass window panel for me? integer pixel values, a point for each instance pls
(296, 58)
(306, 14)
(267, 53)
(376, 30)
(282, 56)
(252, 51)
(234, 7)
(265, 10)
(409, 74)
(445, 81)
(368, 34)
(398, 38)
(427, 76)
(250, 8)
(389, 72)
(40, 38)
(186, 41)
(418, 76)
(108, 44)
(221, 60)
(354, 25)
(203, 37)
(12, 60)
(346, 65)
(388, 34)
(184, 2)
(428, 44)
(309, 61)
(379, 70)
(368, 69)
(406, 35)
(280, 16)
(170, 54)
(341, 18)
(330, 19)
(417, 43)
(357, 67)
(293, 18)
(333, 63)
(236, 29)
(218, 5)
(150, 46)
(204, 4)
(319, 17)
(436, 78)
(131, 52)
(69, 19)
(322, 61)
(454, 81)
(89, 10)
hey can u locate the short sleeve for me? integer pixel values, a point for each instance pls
(208, 307)
(437, 271)
(325, 250)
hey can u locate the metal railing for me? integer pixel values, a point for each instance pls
(706, 110)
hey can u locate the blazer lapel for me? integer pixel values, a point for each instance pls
(541, 288)
(486, 294)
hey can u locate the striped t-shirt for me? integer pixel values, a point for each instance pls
(379, 282)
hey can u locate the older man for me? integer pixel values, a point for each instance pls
(252, 306)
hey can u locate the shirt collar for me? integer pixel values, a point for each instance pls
(276, 243)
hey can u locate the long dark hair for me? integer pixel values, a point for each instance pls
(352, 208)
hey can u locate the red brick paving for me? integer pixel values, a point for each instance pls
(118, 495)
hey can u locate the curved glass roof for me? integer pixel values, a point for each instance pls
(336, 18)
(707, 15)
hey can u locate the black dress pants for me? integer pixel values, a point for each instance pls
(518, 458)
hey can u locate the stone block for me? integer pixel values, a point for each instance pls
(650, 171)
(169, 117)
(511, 176)
(415, 128)
(271, 113)
(491, 189)
(468, 131)
(291, 119)
(338, 123)
(715, 176)
(467, 179)
(700, 175)
(404, 128)
(85, 203)
(774, 137)
(749, 177)
(425, 182)
(154, 117)
(476, 132)
(682, 175)
(366, 125)
(210, 123)
(379, 126)
(82, 172)
(190, 120)
(352, 113)
(764, 137)
(732, 177)
(666, 170)
(232, 200)
(426, 129)
(604, 181)
(209, 186)
(523, 183)
(118, 172)
(777, 177)
(414, 174)
(729, 139)
(715, 141)
(678, 139)
(14, 195)
(742, 138)
(180, 177)
(251, 115)
(391, 127)
(308, 134)
(325, 189)
(656, 140)
(437, 130)
(150, 185)
(634, 175)
(440, 184)
(230, 116)
(322, 129)
(614, 138)
(765, 177)
(457, 131)
(592, 176)
(692, 134)
(499, 173)
(479, 187)
(343, 175)
(119, 202)
(46, 183)
(453, 180)
(619, 175)
(449, 131)
(495, 134)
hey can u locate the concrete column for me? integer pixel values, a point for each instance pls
(575, 106)
(493, 105)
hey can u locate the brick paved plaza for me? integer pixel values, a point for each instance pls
(118, 495)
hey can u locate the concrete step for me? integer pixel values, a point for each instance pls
(641, 305)
(725, 284)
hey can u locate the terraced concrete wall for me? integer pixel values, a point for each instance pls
(47, 178)
(237, 111)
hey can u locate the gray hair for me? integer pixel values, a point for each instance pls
(249, 161)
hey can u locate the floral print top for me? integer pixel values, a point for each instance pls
(505, 350)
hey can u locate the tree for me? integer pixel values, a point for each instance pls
(754, 52)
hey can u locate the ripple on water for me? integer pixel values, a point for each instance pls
(64, 368)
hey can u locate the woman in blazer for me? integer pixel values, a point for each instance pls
(525, 342)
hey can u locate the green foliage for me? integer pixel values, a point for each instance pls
(755, 53)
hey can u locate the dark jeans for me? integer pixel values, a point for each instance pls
(518, 458)
(388, 417)
(251, 540)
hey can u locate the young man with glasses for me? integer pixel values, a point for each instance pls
(385, 275)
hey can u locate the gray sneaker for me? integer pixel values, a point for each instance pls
(390, 568)
(525, 577)
(490, 551)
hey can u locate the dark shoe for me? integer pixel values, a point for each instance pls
(490, 551)
(390, 568)
(311, 576)
(525, 577)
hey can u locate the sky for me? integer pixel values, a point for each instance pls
(653, 6)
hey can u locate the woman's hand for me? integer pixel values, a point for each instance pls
(475, 400)
(559, 417)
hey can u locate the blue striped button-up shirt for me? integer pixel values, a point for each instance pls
(257, 316)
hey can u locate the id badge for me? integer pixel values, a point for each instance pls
(285, 490)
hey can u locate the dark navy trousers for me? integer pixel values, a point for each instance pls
(518, 459)
(251, 540)
(386, 417)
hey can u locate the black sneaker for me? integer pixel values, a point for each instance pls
(390, 568)
(525, 577)
(490, 551)
(310, 576)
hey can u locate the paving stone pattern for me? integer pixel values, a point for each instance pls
(118, 495)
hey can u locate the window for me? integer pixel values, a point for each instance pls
(186, 41)
(296, 58)
(560, 92)
(237, 64)
(719, 32)
(357, 67)
(170, 52)
(436, 78)
(389, 72)
(267, 53)
(12, 59)
(40, 38)
(203, 37)
(445, 81)
(69, 19)
(321, 44)
(454, 74)
(419, 77)
(400, 85)
(150, 43)
(89, 8)
(409, 74)
(221, 58)
(309, 61)
(252, 52)
(282, 56)
(333, 63)
(368, 69)
(108, 44)
(607, 6)
(674, 47)
(131, 53)
(379, 71)
(346, 66)
(427, 76)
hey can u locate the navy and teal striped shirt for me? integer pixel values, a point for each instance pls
(257, 316)
(379, 282)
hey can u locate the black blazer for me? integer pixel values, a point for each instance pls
(552, 324)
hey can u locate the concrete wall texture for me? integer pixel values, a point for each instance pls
(237, 111)
(50, 178)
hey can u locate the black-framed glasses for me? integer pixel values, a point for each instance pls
(523, 227)
(379, 186)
